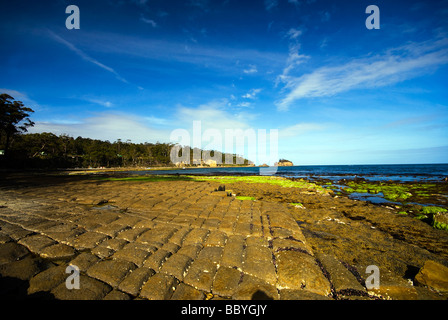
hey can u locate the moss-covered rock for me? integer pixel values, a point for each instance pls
(245, 198)
(440, 221)
(433, 210)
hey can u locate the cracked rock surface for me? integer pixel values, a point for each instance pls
(184, 240)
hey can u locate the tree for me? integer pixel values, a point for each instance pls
(14, 118)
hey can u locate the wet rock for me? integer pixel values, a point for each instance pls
(201, 274)
(226, 281)
(89, 240)
(258, 262)
(156, 260)
(216, 238)
(177, 265)
(90, 289)
(48, 279)
(341, 278)
(159, 287)
(4, 238)
(233, 252)
(111, 271)
(11, 251)
(23, 269)
(253, 288)
(184, 292)
(289, 294)
(36, 243)
(116, 295)
(84, 261)
(433, 275)
(132, 254)
(297, 270)
(133, 282)
(58, 251)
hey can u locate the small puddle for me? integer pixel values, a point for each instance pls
(373, 198)
(105, 207)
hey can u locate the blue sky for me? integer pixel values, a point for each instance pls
(337, 92)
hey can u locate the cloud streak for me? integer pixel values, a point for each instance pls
(396, 65)
(105, 126)
(85, 56)
(148, 21)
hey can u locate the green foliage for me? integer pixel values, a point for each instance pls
(46, 150)
(14, 119)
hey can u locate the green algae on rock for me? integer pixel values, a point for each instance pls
(244, 198)
(279, 181)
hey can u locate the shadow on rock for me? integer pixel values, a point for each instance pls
(17, 289)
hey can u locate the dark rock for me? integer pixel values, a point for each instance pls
(11, 251)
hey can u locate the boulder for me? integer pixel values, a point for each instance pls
(433, 275)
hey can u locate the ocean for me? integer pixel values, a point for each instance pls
(394, 172)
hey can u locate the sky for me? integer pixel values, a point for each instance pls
(335, 91)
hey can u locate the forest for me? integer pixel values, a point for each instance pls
(19, 149)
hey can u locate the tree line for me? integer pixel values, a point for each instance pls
(48, 151)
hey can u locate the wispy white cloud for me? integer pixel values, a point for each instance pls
(214, 115)
(251, 94)
(325, 16)
(105, 126)
(412, 121)
(201, 4)
(148, 21)
(299, 129)
(101, 102)
(22, 96)
(244, 104)
(222, 58)
(148, 128)
(396, 65)
(270, 4)
(85, 56)
(252, 69)
(294, 33)
(295, 57)
(157, 121)
(140, 2)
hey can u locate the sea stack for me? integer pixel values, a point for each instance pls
(283, 163)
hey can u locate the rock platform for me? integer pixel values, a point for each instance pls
(185, 240)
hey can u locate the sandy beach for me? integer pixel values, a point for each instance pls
(198, 240)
